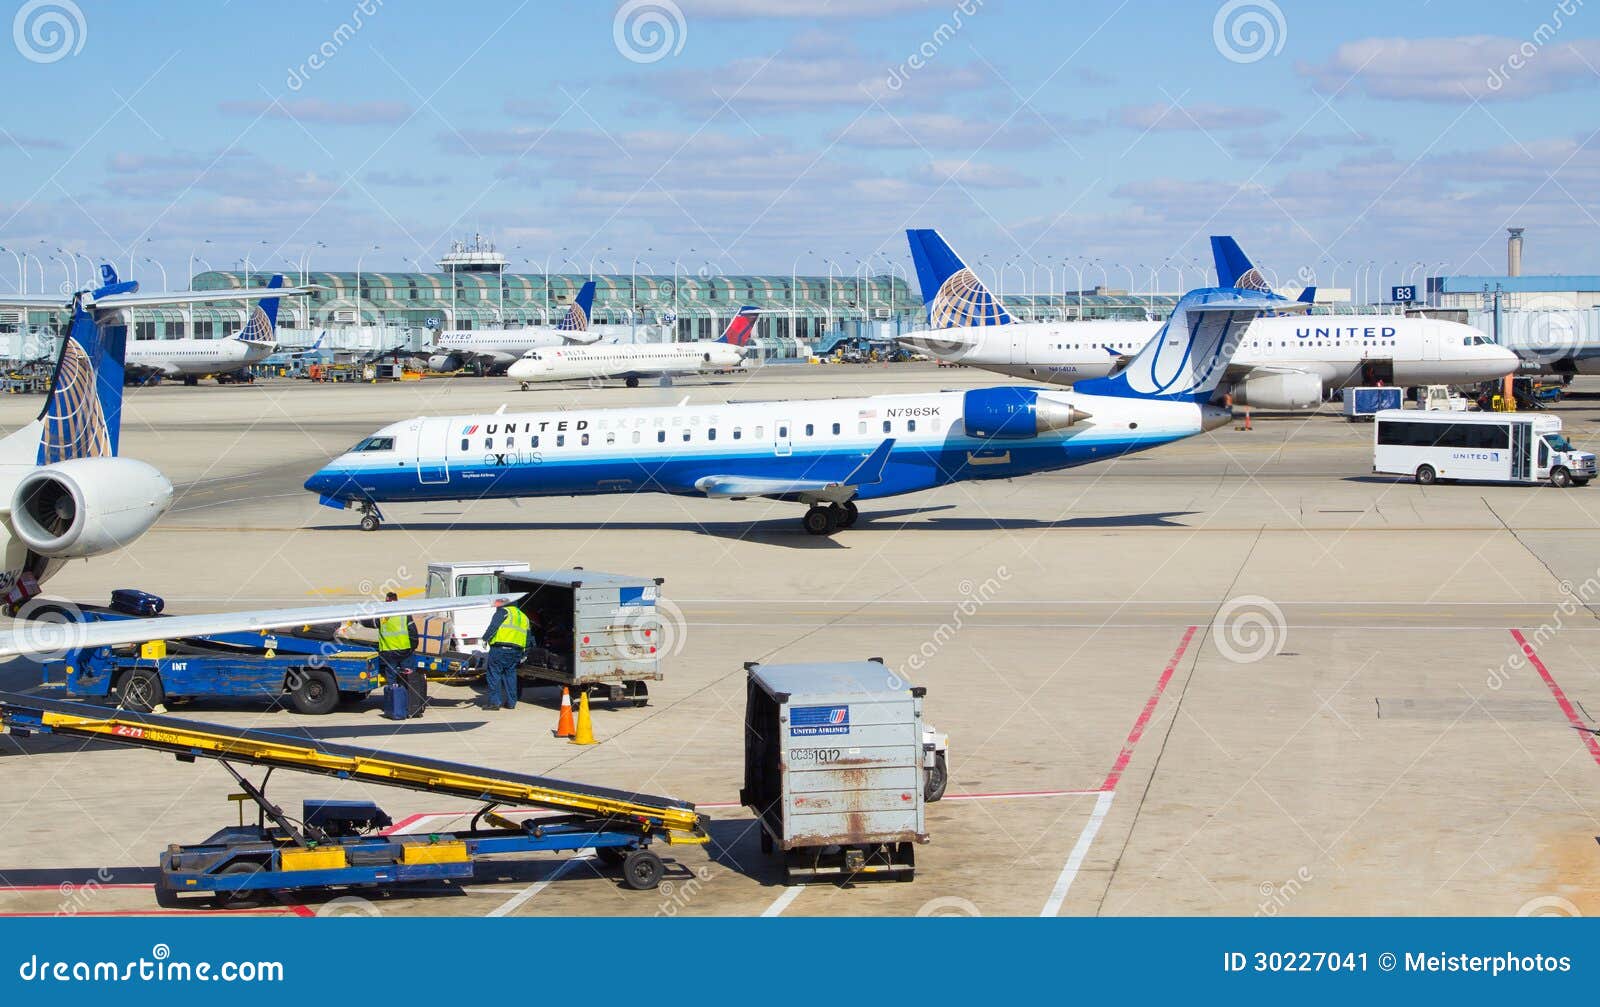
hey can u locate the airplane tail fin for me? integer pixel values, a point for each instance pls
(262, 325)
(82, 415)
(1234, 268)
(577, 318)
(951, 292)
(741, 326)
(1187, 359)
(1308, 296)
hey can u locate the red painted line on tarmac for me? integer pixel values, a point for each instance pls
(402, 823)
(1588, 737)
(1126, 755)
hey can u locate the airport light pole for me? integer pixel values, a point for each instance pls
(794, 288)
(71, 277)
(831, 264)
(159, 266)
(192, 258)
(90, 263)
(633, 285)
(305, 262)
(22, 271)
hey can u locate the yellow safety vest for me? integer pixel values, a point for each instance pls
(394, 633)
(513, 629)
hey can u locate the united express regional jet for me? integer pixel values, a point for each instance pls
(826, 454)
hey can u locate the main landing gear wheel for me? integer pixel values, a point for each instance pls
(848, 513)
(820, 521)
(631, 382)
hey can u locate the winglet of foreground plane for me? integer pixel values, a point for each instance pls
(32, 638)
(871, 468)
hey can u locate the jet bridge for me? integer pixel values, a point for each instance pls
(329, 848)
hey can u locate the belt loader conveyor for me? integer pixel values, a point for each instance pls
(327, 847)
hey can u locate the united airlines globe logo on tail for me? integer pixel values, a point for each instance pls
(577, 320)
(74, 423)
(963, 300)
(258, 328)
(1251, 279)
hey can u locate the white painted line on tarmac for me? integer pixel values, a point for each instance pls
(781, 903)
(1058, 894)
(520, 899)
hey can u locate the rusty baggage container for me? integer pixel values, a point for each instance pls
(833, 768)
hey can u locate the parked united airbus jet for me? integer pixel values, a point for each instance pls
(635, 361)
(193, 359)
(1282, 363)
(497, 349)
(64, 491)
(824, 453)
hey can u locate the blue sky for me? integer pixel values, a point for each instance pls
(761, 135)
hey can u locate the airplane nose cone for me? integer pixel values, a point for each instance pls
(321, 482)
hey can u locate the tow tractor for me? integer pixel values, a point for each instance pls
(337, 844)
(313, 669)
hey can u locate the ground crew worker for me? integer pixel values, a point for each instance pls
(397, 644)
(509, 637)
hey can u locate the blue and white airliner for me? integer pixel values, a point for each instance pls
(825, 453)
(1284, 362)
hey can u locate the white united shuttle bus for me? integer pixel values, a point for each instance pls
(1434, 445)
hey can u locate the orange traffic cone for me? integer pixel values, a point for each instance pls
(585, 732)
(564, 727)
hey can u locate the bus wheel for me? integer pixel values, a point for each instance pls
(1426, 475)
(1560, 478)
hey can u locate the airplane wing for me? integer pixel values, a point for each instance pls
(34, 301)
(160, 298)
(870, 471)
(54, 637)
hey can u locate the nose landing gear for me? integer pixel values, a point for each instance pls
(371, 516)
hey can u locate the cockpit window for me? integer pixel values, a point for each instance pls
(375, 444)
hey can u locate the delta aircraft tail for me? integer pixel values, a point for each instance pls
(741, 327)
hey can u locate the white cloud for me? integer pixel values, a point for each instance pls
(1457, 69)
(342, 113)
(1160, 117)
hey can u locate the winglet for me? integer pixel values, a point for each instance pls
(871, 468)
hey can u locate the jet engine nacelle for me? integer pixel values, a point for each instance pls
(1279, 391)
(443, 362)
(1015, 413)
(87, 506)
